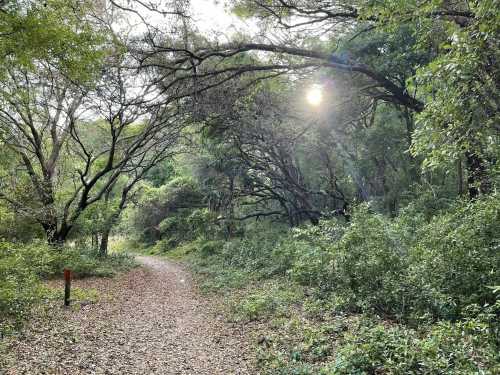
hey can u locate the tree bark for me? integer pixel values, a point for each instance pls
(50, 229)
(410, 128)
(103, 247)
(478, 179)
(460, 177)
(56, 237)
(95, 240)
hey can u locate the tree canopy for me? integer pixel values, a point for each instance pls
(342, 154)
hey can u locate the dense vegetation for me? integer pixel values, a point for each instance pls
(332, 172)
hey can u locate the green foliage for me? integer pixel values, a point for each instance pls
(367, 263)
(14, 227)
(88, 263)
(368, 345)
(263, 251)
(206, 258)
(459, 86)
(424, 281)
(20, 270)
(425, 203)
(23, 266)
(408, 268)
(209, 248)
(414, 293)
(273, 300)
(161, 173)
(457, 257)
(219, 280)
(170, 212)
(464, 347)
(55, 31)
(184, 250)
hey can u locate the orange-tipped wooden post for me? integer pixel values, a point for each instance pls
(67, 286)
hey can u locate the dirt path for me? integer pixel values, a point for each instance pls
(154, 323)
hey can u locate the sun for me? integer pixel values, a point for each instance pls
(315, 95)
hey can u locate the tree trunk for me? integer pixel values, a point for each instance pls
(345, 210)
(410, 128)
(95, 240)
(230, 224)
(55, 237)
(314, 220)
(112, 220)
(50, 229)
(478, 179)
(460, 177)
(103, 247)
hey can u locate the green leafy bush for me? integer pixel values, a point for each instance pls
(266, 252)
(169, 212)
(163, 246)
(23, 266)
(20, 287)
(312, 268)
(456, 257)
(87, 263)
(464, 347)
(208, 248)
(426, 284)
(273, 300)
(408, 267)
(365, 266)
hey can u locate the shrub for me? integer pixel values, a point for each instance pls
(20, 270)
(167, 211)
(312, 267)
(163, 246)
(456, 258)
(87, 263)
(408, 267)
(216, 279)
(209, 248)
(267, 252)
(14, 227)
(22, 266)
(273, 300)
(426, 284)
(464, 347)
(368, 263)
(202, 223)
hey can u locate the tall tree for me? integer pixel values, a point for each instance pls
(42, 121)
(463, 32)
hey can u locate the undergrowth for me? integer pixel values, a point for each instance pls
(23, 267)
(408, 295)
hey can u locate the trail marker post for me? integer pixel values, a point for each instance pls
(67, 286)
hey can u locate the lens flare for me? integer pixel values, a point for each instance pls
(315, 95)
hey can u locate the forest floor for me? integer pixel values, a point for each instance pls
(151, 320)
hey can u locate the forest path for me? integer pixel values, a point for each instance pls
(153, 322)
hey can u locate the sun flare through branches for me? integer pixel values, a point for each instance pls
(315, 95)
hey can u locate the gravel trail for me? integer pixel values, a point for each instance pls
(153, 322)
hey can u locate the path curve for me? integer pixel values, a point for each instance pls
(155, 323)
